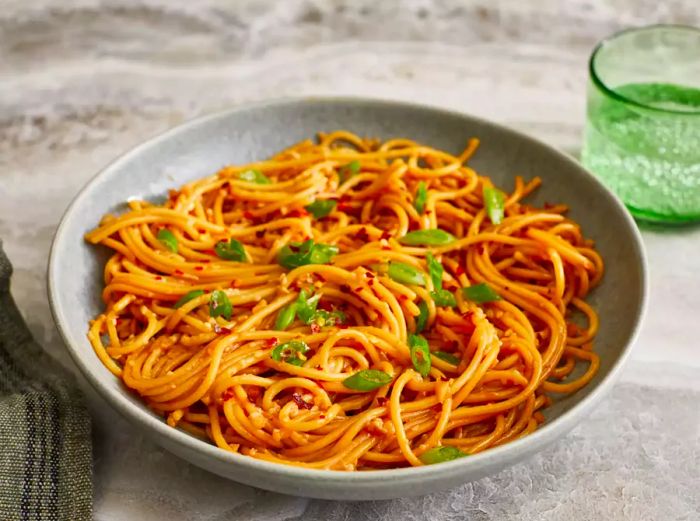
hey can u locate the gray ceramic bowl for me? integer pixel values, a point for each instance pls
(244, 134)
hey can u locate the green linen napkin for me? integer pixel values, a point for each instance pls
(45, 444)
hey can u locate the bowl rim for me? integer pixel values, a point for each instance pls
(141, 416)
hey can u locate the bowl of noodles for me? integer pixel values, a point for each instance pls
(348, 298)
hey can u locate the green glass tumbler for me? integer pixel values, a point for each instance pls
(642, 135)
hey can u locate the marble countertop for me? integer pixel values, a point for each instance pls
(82, 81)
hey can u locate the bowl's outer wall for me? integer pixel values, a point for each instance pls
(202, 147)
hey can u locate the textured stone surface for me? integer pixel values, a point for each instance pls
(83, 80)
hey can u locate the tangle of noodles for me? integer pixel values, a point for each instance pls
(215, 373)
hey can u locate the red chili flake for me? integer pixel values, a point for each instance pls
(403, 298)
(205, 261)
(450, 287)
(293, 248)
(413, 225)
(199, 268)
(315, 328)
(325, 306)
(385, 235)
(260, 234)
(271, 342)
(369, 274)
(322, 416)
(459, 271)
(253, 392)
(382, 400)
(248, 215)
(344, 198)
(385, 247)
(362, 235)
(345, 288)
(209, 252)
(428, 212)
(227, 394)
(357, 290)
(172, 194)
(235, 283)
(178, 272)
(158, 277)
(219, 330)
(298, 212)
(437, 407)
(370, 282)
(301, 403)
(454, 344)
(344, 207)
(321, 277)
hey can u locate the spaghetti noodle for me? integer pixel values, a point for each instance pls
(348, 304)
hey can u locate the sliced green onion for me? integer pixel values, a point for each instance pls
(325, 318)
(187, 297)
(420, 354)
(435, 271)
(297, 254)
(321, 207)
(291, 352)
(441, 454)
(421, 197)
(254, 176)
(443, 297)
(220, 305)
(367, 380)
(285, 317)
(306, 306)
(447, 357)
(349, 170)
(232, 250)
(480, 293)
(494, 202)
(432, 237)
(406, 274)
(422, 318)
(167, 239)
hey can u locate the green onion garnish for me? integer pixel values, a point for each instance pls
(447, 357)
(306, 306)
(285, 317)
(421, 197)
(441, 454)
(443, 297)
(480, 293)
(254, 176)
(321, 207)
(494, 204)
(406, 274)
(187, 297)
(420, 354)
(432, 237)
(232, 250)
(297, 254)
(422, 318)
(167, 239)
(291, 352)
(324, 318)
(349, 170)
(220, 305)
(367, 380)
(435, 271)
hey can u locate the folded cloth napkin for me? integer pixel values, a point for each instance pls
(45, 444)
